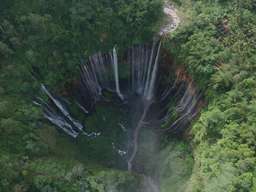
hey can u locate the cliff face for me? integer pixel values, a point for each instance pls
(186, 98)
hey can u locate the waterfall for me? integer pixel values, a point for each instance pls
(100, 77)
(187, 108)
(115, 67)
(100, 73)
(96, 77)
(150, 91)
(149, 66)
(60, 116)
(144, 67)
(62, 109)
(148, 86)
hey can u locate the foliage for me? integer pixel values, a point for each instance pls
(217, 46)
(175, 164)
(44, 42)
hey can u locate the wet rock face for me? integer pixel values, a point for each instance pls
(157, 94)
(156, 81)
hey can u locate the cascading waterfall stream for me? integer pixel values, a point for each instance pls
(151, 88)
(135, 137)
(115, 67)
(146, 98)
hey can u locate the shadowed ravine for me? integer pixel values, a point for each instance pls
(158, 95)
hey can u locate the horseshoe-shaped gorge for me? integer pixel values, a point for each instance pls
(127, 96)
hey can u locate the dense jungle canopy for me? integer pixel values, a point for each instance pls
(44, 41)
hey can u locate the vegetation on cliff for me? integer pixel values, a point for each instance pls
(217, 45)
(44, 41)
